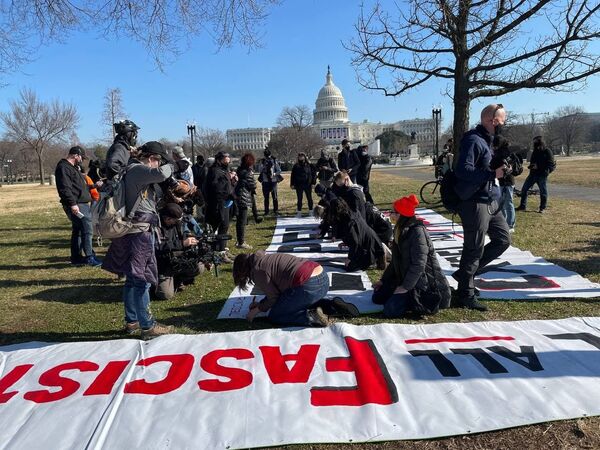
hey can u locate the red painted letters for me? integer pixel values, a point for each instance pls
(179, 372)
(277, 369)
(238, 378)
(52, 378)
(11, 378)
(105, 381)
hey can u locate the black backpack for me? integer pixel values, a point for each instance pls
(450, 198)
(516, 164)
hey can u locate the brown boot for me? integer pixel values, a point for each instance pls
(156, 330)
(131, 327)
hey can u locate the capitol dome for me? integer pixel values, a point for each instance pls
(330, 104)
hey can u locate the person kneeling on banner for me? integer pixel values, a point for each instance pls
(176, 267)
(414, 281)
(365, 249)
(292, 287)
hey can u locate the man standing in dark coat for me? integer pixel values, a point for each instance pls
(477, 188)
(348, 160)
(219, 197)
(326, 169)
(364, 171)
(269, 173)
(541, 164)
(120, 151)
(75, 197)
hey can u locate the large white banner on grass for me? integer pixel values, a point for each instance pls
(517, 274)
(344, 383)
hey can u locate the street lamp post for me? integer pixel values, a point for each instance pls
(437, 116)
(191, 128)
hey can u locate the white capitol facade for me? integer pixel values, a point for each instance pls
(330, 120)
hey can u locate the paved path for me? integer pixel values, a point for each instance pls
(566, 191)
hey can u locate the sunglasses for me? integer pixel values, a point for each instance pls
(499, 106)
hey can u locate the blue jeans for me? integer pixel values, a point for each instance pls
(81, 233)
(136, 297)
(394, 305)
(507, 206)
(293, 304)
(540, 180)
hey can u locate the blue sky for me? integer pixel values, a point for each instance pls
(236, 88)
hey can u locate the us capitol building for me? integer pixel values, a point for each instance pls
(330, 120)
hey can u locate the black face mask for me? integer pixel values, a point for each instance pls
(498, 130)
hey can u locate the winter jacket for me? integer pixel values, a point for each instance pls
(364, 245)
(218, 186)
(268, 170)
(244, 188)
(364, 171)
(415, 267)
(348, 161)
(353, 195)
(302, 175)
(117, 157)
(326, 168)
(70, 184)
(200, 172)
(544, 161)
(474, 178)
(381, 226)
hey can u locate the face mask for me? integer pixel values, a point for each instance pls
(498, 130)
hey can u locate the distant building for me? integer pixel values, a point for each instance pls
(248, 139)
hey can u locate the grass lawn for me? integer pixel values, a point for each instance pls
(43, 298)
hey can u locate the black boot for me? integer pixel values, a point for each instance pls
(472, 303)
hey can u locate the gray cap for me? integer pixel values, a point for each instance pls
(178, 150)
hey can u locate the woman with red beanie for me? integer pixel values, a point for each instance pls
(414, 280)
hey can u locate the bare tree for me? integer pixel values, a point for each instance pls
(480, 48)
(164, 27)
(37, 124)
(567, 126)
(210, 141)
(287, 142)
(299, 117)
(113, 110)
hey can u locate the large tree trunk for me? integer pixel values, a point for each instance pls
(462, 102)
(41, 166)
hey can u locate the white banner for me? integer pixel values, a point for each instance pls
(516, 274)
(340, 384)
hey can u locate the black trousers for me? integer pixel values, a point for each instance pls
(240, 224)
(304, 190)
(366, 190)
(218, 218)
(477, 222)
(270, 188)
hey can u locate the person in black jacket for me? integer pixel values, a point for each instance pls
(348, 160)
(365, 248)
(350, 192)
(269, 174)
(120, 151)
(75, 198)
(514, 167)
(302, 180)
(244, 189)
(364, 171)
(414, 280)
(326, 168)
(219, 196)
(541, 164)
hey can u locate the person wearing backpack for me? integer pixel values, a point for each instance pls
(414, 280)
(477, 189)
(541, 164)
(132, 255)
(75, 198)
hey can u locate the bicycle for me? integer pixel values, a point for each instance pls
(430, 192)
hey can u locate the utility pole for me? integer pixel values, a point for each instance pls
(437, 117)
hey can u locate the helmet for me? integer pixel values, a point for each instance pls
(125, 126)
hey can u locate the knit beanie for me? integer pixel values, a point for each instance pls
(405, 206)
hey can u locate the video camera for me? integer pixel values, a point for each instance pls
(204, 252)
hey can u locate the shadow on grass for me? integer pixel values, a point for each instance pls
(67, 283)
(19, 229)
(76, 295)
(17, 338)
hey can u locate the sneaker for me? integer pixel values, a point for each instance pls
(156, 330)
(298, 214)
(521, 208)
(131, 327)
(343, 308)
(472, 303)
(511, 230)
(224, 258)
(258, 219)
(317, 318)
(244, 246)
(541, 211)
(92, 261)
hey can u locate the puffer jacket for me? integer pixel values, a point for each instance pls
(415, 267)
(244, 188)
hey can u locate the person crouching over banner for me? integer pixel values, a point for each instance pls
(414, 280)
(292, 287)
